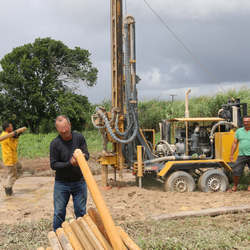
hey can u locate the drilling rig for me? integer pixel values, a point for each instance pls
(120, 126)
(190, 150)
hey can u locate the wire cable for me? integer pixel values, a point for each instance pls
(196, 60)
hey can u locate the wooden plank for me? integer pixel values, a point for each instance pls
(97, 233)
(54, 242)
(204, 212)
(63, 239)
(90, 235)
(107, 220)
(127, 240)
(18, 131)
(75, 243)
(98, 221)
(81, 235)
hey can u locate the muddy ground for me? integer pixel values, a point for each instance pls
(33, 198)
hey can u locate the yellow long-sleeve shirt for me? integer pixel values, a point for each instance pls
(9, 150)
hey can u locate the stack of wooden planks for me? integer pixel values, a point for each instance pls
(96, 229)
(87, 232)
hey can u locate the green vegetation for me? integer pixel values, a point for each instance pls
(24, 235)
(221, 232)
(37, 145)
(38, 81)
(152, 112)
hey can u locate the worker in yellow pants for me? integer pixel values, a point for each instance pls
(12, 168)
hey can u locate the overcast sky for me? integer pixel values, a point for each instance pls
(215, 31)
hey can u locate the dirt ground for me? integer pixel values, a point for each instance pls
(33, 197)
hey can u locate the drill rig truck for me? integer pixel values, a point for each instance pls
(190, 151)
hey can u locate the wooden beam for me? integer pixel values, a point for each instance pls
(63, 239)
(204, 212)
(107, 220)
(127, 240)
(98, 221)
(72, 237)
(18, 131)
(54, 242)
(90, 235)
(81, 235)
(97, 233)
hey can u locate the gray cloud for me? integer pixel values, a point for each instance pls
(216, 31)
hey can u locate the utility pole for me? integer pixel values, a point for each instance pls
(172, 97)
(172, 101)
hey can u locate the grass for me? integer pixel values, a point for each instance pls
(37, 145)
(24, 235)
(33, 146)
(221, 232)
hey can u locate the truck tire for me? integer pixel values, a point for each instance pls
(180, 181)
(213, 180)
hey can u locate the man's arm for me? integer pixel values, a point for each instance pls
(233, 148)
(55, 163)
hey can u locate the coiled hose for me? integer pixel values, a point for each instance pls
(107, 125)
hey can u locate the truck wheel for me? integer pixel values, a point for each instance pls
(213, 180)
(180, 181)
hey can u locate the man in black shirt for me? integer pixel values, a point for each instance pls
(68, 179)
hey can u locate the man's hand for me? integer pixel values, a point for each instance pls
(231, 158)
(73, 161)
(16, 135)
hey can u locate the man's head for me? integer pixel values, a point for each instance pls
(63, 127)
(246, 122)
(7, 127)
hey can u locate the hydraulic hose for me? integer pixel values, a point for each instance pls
(216, 125)
(107, 125)
(93, 122)
(113, 116)
(127, 129)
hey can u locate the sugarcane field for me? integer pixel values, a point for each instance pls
(124, 125)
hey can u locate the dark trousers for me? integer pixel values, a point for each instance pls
(62, 192)
(240, 164)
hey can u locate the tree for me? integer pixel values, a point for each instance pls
(34, 76)
(78, 109)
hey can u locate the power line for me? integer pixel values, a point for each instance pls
(196, 60)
